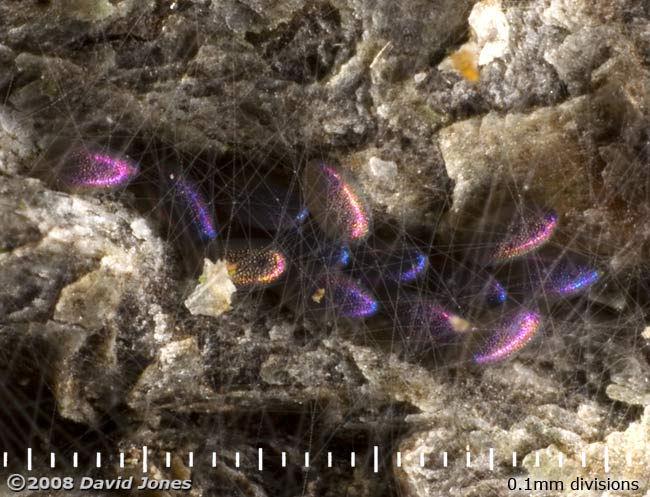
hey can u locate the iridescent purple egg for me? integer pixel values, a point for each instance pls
(255, 264)
(551, 274)
(332, 256)
(566, 276)
(463, 284)
(339, 256)
(494, 292)
(414, 264)
(395, 265)
(510, 233)
(508, 337)
(190, 203)
(311, 252)
(526, 232)
(480, 288)
(337, 295)
(265, 205)
(424, 319)
(335, 203)
(94, 168)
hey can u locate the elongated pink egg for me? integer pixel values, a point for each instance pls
(335, 202)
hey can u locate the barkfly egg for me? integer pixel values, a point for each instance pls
(335, 202)
(79, 165)
(509, 233)
(464, 284)
(395, 264)
(189, 205)
(509, 335)
(254, 263)
(263, 204)
(331, 295)
(423, 319)
(552, 273)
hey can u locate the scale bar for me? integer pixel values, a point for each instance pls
(422, 458)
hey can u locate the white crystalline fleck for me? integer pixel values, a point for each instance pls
(419, 77)
(162, 332)
(383, 170)
(212, 297)
(170, 352)
(282, 331)
(490, 36)
(491, 30)
(383, 111)
(646, 333)
(121, 261)
(141, 229)
(569, 14)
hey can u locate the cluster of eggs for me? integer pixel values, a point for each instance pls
(324, 260)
